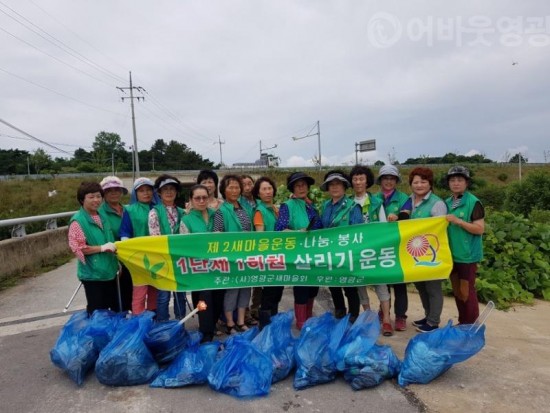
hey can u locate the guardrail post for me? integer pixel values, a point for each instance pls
(51, 224)
(18, 231)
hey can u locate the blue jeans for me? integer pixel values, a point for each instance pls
(163, 302)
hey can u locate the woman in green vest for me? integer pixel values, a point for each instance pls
(299, 214)
(372, 209)
(165, 218)
(113, 209)
(467, 219)
(265, 217)
(393, 201)
(340, 211)
(200, 219)
(92, 241)
(423, 203)
(135, 223)
(232, 217)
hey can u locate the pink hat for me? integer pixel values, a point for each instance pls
(112, 182)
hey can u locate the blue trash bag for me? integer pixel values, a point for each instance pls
(126, 360)
(191, 366)
(247, 335)
(372, 368)
(166, 340)
(243, 371)
(74, 351)
(429, 355)
(358, 340)
(276, 342)
(103, 326)
(316, 350)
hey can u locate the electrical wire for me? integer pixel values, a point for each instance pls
(59, 93)
(33, 137)
(58, 43)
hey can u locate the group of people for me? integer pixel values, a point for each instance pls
(246, 205)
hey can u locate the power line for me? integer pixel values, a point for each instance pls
(80, 38)
(59, 93)
(54, 57)
(33, 137)
(58, 43)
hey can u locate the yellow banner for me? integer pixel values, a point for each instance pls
(377, 253)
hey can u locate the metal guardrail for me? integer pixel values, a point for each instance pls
(18, 224)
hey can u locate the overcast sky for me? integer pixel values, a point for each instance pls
(420, 77)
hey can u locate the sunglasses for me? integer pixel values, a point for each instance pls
(200, 198)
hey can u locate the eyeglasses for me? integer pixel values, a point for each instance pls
(200, 198)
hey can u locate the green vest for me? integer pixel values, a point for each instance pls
(164, 223)
(139, 216)
(297, 214)
(195, 222)
(424, 209)
(342, 215)
(465, 247)
(102, 266)
(231, 222)
(371, 207)
(246, 206)
(268, 215)
(111, 215)
(397, 200)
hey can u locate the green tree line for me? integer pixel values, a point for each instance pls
(108, 152)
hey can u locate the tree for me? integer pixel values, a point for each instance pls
(515, 158)
(106, 147)
(40, 160)
(379, 163)
(13, 161)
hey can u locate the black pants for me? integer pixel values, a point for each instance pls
(352, 296)
(126, 289)
(401, 302)
(303, 294)
(271, 297)
(214, 307)
(101, 295)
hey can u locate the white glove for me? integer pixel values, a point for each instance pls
(108, 247)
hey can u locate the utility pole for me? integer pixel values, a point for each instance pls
(318, 134)
(266, 149)
(220, 143)
(113, 162)
(28, 165)
(135, 157)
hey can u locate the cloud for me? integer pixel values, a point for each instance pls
(250, 71)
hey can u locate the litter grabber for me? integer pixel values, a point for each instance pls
(482, 317)
(201, 306)
(72, 297)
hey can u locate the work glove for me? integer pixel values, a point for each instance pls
(108, 247)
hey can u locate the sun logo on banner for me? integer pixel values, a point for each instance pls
(423, 249)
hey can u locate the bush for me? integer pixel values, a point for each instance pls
(516, 265)
(502, 177)
(532, 193)
(491, 196)
(540, 216)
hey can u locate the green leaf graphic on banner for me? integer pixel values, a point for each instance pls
(153, 270)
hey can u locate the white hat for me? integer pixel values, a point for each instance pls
(112, 182)
(388, 170)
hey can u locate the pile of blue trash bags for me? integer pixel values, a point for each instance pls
(129, 350)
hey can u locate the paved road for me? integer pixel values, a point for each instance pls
(30, 320)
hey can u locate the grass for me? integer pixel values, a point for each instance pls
(45, 266)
